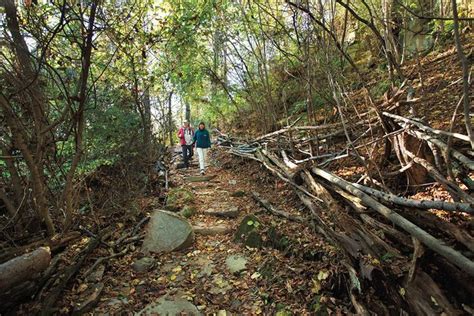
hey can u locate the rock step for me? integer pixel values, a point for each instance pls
(232, 212)
(208, 230)
(199, 178)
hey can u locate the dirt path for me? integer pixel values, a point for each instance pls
(219, 275)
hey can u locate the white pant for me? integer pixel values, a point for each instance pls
(202, 153)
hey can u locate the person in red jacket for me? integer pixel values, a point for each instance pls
(186, 135)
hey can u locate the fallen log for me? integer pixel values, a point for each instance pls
(421, 204)
(54, 245)
(24, 268)
(452, 188)
(456, 154)
(426, 128)
(428, 240)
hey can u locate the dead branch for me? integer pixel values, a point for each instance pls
(431, 242)
(274, 210)
(419, 204)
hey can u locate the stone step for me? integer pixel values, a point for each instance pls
(211, 230)
(231, 212)
(199, 178)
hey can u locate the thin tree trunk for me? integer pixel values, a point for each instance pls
(170, 119)
(68, 194)
(465, 74)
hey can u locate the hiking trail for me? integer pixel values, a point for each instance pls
(220, 273)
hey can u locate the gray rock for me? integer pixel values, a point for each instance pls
(166, 232)
(248, 232)
(166, 306)
(187, 211)
(97, 274)
(236, 263)
(143, 265)
(178, 198)
(203, 266)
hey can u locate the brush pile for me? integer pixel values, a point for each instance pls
(402, 253)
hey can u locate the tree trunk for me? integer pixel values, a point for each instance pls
(68, 194)
(147, 127)
(170, 119)
(465, 74)
(32, 149)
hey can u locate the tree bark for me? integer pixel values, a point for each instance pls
(23, 268)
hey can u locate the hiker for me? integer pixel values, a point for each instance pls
(203, 142)
(186, 139)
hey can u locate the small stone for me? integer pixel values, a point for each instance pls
(238, 193)
(236, 304)
(143, 265)
(170, 306)
(236, 263)
(187, 211)
(97, 274)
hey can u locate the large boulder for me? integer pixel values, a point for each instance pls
(166, 232)
(166, 306)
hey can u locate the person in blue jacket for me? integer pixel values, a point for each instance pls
(202, 139)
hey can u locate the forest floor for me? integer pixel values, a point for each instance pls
(271, 281)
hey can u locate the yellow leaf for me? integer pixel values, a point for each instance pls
(82, 288)
(178, 269)
(135, 281)
(173, 277)
(316, 286)
(323, 275)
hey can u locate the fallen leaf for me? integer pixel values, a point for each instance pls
(323, 275)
